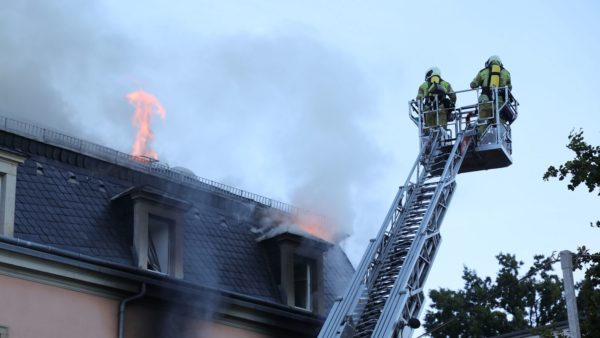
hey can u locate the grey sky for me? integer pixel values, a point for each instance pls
(306, 102)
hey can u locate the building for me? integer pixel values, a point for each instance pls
(96, 243)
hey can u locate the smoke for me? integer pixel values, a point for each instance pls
(173, 315)
(60, 65)
(280, 113)
(283, 111)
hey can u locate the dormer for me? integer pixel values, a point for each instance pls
(157, 220)
(9, 162)
(296, 259)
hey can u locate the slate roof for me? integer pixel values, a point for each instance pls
(63, 199)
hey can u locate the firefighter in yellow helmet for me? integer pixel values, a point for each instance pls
(494, 75)
(438, 99)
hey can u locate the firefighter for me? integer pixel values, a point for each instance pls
(438, 98)
(492, 76)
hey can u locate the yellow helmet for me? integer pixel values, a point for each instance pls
(431, 72)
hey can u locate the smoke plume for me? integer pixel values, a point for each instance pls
(280, 113)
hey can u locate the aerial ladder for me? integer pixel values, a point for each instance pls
(386, 294)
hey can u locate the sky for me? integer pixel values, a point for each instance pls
(306, 102)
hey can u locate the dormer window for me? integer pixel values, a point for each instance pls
(157, 229)
(296, 258)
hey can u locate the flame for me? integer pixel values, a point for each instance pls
(145, 105)
(317, 226)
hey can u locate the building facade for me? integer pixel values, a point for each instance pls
(96, 243)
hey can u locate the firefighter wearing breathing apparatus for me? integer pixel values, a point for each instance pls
(489, 78)
(438, 99)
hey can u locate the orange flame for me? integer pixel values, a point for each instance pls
(316, 225)
(145, 105)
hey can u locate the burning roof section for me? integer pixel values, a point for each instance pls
(292, 229)
(64, 198)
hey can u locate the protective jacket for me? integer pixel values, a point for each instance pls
(436, 86)
(493, 76)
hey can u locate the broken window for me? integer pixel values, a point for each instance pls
(159, 244)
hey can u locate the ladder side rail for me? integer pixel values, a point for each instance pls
(342, 307)
(426, 258)
(416, 281)
(412, 271)
(395, 234)
(415, 295)
(414, 291)
(398, 236)
(395, 225)
(394, 231)
(450, 173)
(398, 295)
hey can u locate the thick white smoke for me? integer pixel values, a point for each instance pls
(283, 116)
(279, 113)
(63, 66)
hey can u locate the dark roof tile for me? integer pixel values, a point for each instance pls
(219, 250)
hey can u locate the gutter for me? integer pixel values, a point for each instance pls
(121, 333)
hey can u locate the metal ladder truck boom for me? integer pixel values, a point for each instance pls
(387, 288)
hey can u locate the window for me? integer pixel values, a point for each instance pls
(297, 264)
(3, 332)
(158, 221)
(303, 283)
(8, 185)
(159, 244)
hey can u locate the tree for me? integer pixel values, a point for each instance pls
(584, 168)
(487, 307)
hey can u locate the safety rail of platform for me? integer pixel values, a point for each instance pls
(460, 116)
(493, 135)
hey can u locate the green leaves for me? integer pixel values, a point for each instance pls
(588, 299)
(584, 168)
(487, 307)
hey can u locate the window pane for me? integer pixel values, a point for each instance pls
(302, 284)
(158, 244)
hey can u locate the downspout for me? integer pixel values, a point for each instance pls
(122, 309)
